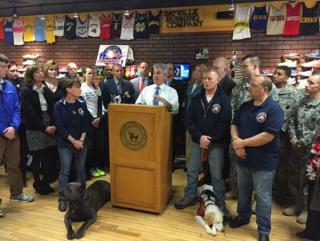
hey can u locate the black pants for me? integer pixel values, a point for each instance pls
(24, 151)
(44, 162)
(95, 148)
(313, 220)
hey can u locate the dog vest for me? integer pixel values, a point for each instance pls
(206, 199)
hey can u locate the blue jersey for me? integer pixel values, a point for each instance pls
(8, 32)
(40, 29)
(259, 18)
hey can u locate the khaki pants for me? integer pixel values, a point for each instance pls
(10, 151)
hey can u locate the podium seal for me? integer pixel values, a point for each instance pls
(133, 135)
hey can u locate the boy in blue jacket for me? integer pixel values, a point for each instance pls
(9, 140)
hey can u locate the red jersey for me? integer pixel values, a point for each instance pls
(292, 22)
(2, 29)
(105, 25)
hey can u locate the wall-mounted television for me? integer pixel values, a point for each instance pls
(181, 71)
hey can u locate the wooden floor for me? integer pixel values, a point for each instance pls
(41, 221)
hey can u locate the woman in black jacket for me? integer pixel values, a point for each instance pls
(37, 114)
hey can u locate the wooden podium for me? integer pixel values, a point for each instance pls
(140, 156)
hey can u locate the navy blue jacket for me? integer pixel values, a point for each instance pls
(71, 119)
(252, 120)
(9, 107)
(110, 88)
(211, 119)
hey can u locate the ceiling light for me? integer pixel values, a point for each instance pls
(126, 13)
(14, 13)
(75, 15)
(42, 17)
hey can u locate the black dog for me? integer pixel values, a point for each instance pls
(84, 204)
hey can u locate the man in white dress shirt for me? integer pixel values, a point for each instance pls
(159, 93)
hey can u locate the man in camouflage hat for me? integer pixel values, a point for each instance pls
(305, 117)
(288, 96)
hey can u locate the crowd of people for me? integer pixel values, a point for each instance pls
(260, 134)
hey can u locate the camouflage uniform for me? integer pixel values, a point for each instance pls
(288, 96)
(305, 117)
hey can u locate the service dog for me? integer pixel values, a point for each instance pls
(209, 216)
(83, 205)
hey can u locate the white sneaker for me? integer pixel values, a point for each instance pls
(312, 64)
(305, 73)
(289, 63)
(290, 211)
(302, 218)
(22, 198)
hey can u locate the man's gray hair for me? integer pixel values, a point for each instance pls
(221, 62)
(266, 82)
(161, 66)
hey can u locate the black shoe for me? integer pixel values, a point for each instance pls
(226, 214)
(237, 222)
(183, 203)
(305, 235)
(263, 237)
(62, 206)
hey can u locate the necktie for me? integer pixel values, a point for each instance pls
(142, 85)
(155, 102)
(119, 87)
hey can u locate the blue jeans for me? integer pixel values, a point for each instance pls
(260, 181)
(216, 160)
(67, 155)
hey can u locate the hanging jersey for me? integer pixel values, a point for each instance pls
(154, 22)
(127, 27)
(18, 31)
(82, 28)
(241, 23)
(8, 33)
(276, 20)
(39, 29)
(50, 29)
(259, 18)
(2, 29)
(116, 25)
(94, 26)
(292, 24)
(141, 28)
(69, 28)
(59, 26)
(105, 27)
(310, 20)
(28, 32)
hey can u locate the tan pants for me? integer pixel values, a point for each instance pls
(10, 151)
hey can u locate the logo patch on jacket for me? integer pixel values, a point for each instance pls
(216, 108)
(261, 117)
(81, 112)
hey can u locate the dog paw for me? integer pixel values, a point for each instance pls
(71, 235)
(80, 234)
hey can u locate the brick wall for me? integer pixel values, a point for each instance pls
(178, 47)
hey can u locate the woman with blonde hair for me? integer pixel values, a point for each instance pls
(51, 71)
